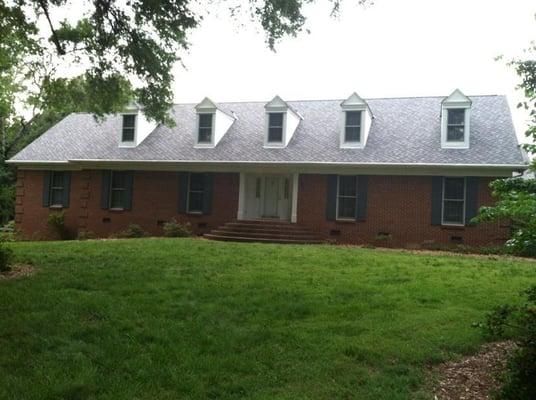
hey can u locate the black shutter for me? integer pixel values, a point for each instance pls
(105, 190)
(47, 176)
(471, 199)
(66, 188)
(362, 194)
(129, 182)
(207, 196)
(437, 199)
(331, 197)
(183, 191)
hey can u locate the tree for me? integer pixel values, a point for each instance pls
(516, 197)
(140, 40)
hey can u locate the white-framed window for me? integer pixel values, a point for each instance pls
(456, 125)
(196, 192)
(346, 197)
(205, 128)
(57, 180)
(453, 202)
(275, 127)
(129, 128)
(352, 127)
(118, 190)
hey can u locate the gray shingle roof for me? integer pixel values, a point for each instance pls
(404, 130)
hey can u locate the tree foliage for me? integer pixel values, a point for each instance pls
(129, 46)
(516, 201)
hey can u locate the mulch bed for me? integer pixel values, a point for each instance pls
(17, 271)
(474, 377)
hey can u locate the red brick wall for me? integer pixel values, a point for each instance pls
(398, 205)
(155, 198)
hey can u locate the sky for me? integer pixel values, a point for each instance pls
(393, 48)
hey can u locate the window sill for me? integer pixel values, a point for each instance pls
(346, 220)
(195, 213)
(453, 227)
(117, 210)
(56, 207)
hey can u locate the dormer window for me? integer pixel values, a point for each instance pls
(455, 121)
(455, 124)
(205, 128)
(352, 128)
(275, 127)
(212, 124)
(356, 119)
(129, 128)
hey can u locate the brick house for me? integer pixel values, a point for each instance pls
(391, 171)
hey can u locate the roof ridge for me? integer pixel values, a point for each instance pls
(318, 100)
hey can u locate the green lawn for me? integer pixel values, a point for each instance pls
(192, 319)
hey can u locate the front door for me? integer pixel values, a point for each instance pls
(271, 196)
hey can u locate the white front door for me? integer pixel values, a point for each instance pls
(271, 197)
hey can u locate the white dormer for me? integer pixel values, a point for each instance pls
(356, 119)
(212, 124)
(135, 126)
(280, 123)
(455, 121)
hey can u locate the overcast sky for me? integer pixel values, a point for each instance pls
(389, 49)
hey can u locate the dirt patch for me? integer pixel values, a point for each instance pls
(474, 377)
(17, 271)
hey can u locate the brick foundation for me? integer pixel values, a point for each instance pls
(399, 207)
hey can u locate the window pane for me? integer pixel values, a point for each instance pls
(57, 179)
(353, 118)
(205, 135)
(454, 188)
(347, 207)
(56, 197)
(129, 124)
(453, 212)
(129, 121)
(118, 180)
(205, 120)
(455, 133)
(275, 119)
(456, 116)
(352, 134)
(197, 182)
(275, 134)
(116, 200)
(347, 186)
(195, 202)
(128, 135)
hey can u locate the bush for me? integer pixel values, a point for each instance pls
(85, 235)
(6, 256)
(177, 229)
(519, 380)
(132, 231)
(57, 222)
(8, 233)
(516, 202)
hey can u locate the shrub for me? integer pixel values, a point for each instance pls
(6, 256)
(132, 231)
(57, 222)
(8, 233)
(177, 229)
(519, 380)
(516, 201)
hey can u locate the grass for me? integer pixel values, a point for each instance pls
(191, 319)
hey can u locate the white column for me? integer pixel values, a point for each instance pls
(241, 196)
(294, 208)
